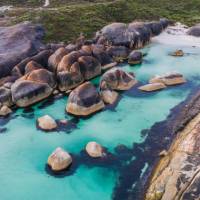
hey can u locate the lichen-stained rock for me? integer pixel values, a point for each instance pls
(172, 78)
(5, 96)
(177, 175)
(135, 57)
(69, 79)
(84, 100)
(55, 58)
(17, 43)
(119, 53)
(59, 160)
(40, 58)
(194, 31)
(117, 79)
(33, 87)
(152, 87)
(31, 66)
(90, 67)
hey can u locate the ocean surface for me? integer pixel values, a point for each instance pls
(24, 149)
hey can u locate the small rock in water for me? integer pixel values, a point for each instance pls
(59, 160)
(47, 123)
(178, 53)
(109, 96)
(152, 87)
(135, 57)
(5, 110)
(172, 78)
(95, 150)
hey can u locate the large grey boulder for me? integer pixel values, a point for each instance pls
(17, 43)
(194, 31)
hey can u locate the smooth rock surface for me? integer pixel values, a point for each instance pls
(94, 150)
(5, 110)
(59, 160)
(84, 100)
(17, 43)
(46, 123)
(152, 87)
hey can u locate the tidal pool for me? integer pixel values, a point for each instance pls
(24, 149)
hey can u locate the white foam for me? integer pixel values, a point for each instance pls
(177, 35)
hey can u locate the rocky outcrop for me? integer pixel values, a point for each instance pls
(46, 123)
(59, 160)
(152, 87)
(33, 87)
(194, 31)
(133, 35)
(84, 100)
(94, 150)
(17, 43)
(168, 79)
(177, 175)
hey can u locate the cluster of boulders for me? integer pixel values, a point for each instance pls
(61, 160)
(162, 81)
(31, 71)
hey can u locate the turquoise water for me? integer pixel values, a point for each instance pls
(24, 149)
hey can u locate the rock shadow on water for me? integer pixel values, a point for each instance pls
(109, 161)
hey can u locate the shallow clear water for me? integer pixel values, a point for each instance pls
(24, 149)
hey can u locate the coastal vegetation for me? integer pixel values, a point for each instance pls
(64, 20)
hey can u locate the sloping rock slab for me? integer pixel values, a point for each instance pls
(18, 42)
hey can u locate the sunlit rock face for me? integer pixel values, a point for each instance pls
(40, 58)
(177, 175)
(17, 43)
(33, 87)
(84, 100)
(59, 160)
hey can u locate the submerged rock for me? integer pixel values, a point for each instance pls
(47, 123)
(135, 57)
(94, 150)
(178, 53)
(5, 110)
(84, 100)
(17, 43)
(168, 79)
(117, 79)
(177, 174)
(59, 160)
(152, 87)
